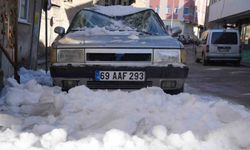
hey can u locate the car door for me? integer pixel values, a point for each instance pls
(225, 43)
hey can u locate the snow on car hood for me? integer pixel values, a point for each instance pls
(103, 38)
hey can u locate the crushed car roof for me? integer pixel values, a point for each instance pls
(116, 10)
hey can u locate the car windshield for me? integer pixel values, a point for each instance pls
(144, 22)
(224, 38)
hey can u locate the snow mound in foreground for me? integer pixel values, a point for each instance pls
(40, 117)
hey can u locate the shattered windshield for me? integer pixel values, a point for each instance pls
(144, 22)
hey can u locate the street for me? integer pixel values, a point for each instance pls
(218, 79)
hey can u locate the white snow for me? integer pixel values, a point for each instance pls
(100, 31)
(117, 10)
(38, 117)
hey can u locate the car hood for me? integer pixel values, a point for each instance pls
(130, 40)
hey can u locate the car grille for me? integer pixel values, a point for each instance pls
(118, 57)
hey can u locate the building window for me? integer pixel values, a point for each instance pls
(186, 11)
(157, 9)
(23, 10)
(71, 1)
(191, 12)
(168, 10)
(106, 2)
(176, 10)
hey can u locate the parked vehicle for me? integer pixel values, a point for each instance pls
(106, 49)
(219, 45)
(182, 39)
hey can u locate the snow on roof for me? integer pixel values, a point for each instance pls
(116, 10)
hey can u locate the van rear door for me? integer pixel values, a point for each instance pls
(226, 42)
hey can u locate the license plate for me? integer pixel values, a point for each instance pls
(120, 75)
(224, 50)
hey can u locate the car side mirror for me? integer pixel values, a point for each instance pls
(59, 30)
(175, 31)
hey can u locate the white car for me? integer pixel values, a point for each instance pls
(125, 49)
(219, 45)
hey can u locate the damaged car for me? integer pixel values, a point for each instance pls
(117, 47)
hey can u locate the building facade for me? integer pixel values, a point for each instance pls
(19, 26)
(202, 7)
(180, 13)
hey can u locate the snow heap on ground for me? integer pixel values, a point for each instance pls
(40, 76)
(36, 117)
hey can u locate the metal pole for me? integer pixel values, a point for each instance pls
(16, 68)
(172, 17)
(46, 40)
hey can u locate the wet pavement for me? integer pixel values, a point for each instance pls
(219, 79)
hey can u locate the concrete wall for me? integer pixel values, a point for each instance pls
(7, 36)
(202, 8)
(224, 8)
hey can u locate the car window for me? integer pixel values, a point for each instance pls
(145, 22)
(224, 38)
(89, 19)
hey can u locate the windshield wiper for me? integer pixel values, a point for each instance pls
(80, 29)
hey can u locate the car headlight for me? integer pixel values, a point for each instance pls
(166, 56)
(70, 55)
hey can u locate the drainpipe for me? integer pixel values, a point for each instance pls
(172, 17)
(32, 35)
(16, 76)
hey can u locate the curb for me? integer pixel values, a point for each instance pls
(246, 64)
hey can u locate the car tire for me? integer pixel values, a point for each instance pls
(204, 60)
(197, 60)
(175, 92)
(237, 63)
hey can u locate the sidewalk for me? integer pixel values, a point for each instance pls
(245, 61)
(246, 64)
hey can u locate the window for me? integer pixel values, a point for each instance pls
(125, 3)
(176, 10)
(224, 38)
(157, 9)
(68, 1)
(168, 10)
(191, 11)
(186, 11)
(23, 10)
(106, 2)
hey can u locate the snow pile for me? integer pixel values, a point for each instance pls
(40, 118)
(117, 10)
(40, 76)
(101, 31)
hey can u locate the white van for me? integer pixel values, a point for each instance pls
(219, 45)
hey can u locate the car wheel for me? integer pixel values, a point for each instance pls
(204, 60)
(196, 58)
(237, 63)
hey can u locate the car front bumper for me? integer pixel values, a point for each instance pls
(167, 77)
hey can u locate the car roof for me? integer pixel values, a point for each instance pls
(116, 10)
